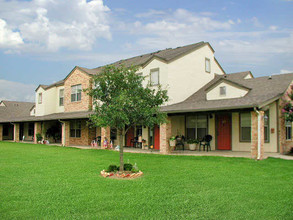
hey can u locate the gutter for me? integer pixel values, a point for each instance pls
(258, 133)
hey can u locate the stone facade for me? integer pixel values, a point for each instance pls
(254, 135)
(37, 130)
(105, 133)
(77, 77)
(16, 132)
(284, 145)
(1, 132)
(165, 134)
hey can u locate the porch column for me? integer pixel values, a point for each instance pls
(65, 137)
(16, 132)
(165, 134)
(105, 133)
(254, 135)
(1, 132)
(37, 130)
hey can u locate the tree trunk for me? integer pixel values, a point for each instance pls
(121, 150)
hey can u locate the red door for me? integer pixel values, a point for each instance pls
(157, 137)
(130, 137)
(224, 132)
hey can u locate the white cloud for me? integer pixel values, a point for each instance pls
(273, 27)
(52, 25)
(9, 90)
(283, 71)
(8, 38)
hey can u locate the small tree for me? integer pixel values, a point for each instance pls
(121, 101)
(288, 107)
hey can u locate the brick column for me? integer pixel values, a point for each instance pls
(105, 133)
(165, 134)
(1, 132)
(254, 135)
(16, 132)
(37, 130)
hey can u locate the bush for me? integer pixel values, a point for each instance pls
(39, 137)
(127, 167)
(112, 168)
(192, 141)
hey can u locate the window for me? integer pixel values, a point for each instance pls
(75, 93)
(223, 90)
(31, 128)
(196, 126)
(154, 77)
(40, 97)
(245, 126)
(208, 65)
(288, 130)
(75, 129)
(61, 97)
(113, 134)
(267, 126)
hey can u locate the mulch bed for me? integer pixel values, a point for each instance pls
(121, 175)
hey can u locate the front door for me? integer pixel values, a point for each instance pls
(157, 137)
(130, 137)
(224, 132)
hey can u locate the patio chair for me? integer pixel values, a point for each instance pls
(205, 142)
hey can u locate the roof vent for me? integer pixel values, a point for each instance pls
(270, 77)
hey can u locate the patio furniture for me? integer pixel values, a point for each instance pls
(205, 142)
(180, 142)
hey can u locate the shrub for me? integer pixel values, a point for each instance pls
(39, 137)
(127, 167)
(192, 141)
(112, 168)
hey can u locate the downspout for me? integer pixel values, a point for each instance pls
(258, 133)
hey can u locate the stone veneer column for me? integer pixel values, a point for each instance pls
(37, 130)
(165, 134)
(16, 132)
(105, 133)
(254, 135)
(1, 132)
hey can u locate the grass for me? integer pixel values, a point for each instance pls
(50, 182)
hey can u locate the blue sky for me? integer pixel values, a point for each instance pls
(42, 40)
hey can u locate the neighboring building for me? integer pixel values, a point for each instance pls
(203, 100)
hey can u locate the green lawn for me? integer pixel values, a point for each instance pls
(38, 181)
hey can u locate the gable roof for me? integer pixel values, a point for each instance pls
(13, 109)
(263, 89)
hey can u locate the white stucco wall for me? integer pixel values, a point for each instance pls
(231, 92)
(50, 101)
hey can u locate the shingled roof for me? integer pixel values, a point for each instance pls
(12, 109)
(262, 90)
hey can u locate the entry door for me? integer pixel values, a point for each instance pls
(157, 137)
(130, 137)
(224, 132)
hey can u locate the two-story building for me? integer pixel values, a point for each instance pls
(240, 112)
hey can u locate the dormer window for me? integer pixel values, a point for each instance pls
(208, 65)
(154, 77)
(223, 91)
(76, 93)
(40, 97)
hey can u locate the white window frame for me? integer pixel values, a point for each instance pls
(75, 129)
(241, 127)
(288, 126)
(75, 90)
(196, 125)
(151, 76)
(207, 67)
(40, 98)
(61, 97)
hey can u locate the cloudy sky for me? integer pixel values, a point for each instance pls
(42, 40)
